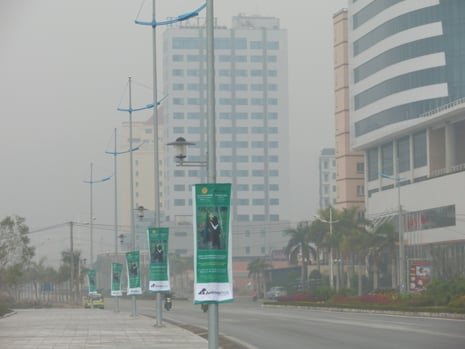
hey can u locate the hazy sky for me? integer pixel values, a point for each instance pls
(64, 66)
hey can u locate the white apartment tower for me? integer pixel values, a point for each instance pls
(252, 125)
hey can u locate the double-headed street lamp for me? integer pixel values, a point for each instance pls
(115, 171)
(153, 23)
(331, 261)
(213, 312)
(91, 182)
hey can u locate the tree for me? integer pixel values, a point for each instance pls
(354, 241)
(14, 242)
(385, 242)
(348, 228)
(15, 253)
(256, 270)
(299, 244)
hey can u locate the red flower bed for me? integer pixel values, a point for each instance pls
(298, 297)
(370, 299)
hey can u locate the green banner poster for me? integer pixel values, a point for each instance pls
(159, 280)
(92, 280)
(212, 243)
(133, 271)
(116, 273)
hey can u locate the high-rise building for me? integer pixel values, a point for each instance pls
(407, 112)
(349, 163)
(327, 167)
(252, 132)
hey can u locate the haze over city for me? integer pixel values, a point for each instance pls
(64, 67)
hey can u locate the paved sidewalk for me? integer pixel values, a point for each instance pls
(91, 328)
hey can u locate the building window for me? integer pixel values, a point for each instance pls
(179, 202)
(403, 154)
(387, 167)
(372, 158)
(243, 218)
(179, 187)
(274, 217)
(178, 72)
(360, 190)
(242, 202)
(419, 149)
(274, 202)
(360, 167)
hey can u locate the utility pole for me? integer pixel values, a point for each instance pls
(73, 298)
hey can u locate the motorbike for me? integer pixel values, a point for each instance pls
(204, 307)
(168, 302)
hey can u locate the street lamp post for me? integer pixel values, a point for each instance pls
(213, 313)
(331, 261)
(213, 308)
(400, 226)
(91, 182)
(115, 168)
(156, 186)
(130, 110)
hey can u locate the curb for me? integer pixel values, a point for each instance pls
(372, 311)
(11, 313)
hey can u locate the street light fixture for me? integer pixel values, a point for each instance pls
(181, 153)
(140, 211)
(153, 23)
(400, 226)
(130, 110)
(91, 182)
(331, 273)
(115, 173)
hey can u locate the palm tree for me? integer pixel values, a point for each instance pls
(386, 241)
(318, 232)
(349, 239)
(299, 244)
(256, 270)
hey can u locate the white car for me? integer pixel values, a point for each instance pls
(275, 292)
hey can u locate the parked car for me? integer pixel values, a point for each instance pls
(275, 292)
(94, 301)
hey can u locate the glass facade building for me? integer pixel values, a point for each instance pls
(407, 58)
(407, 111)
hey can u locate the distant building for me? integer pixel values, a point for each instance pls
(252, 126)
(327, 167)
(350, 186)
